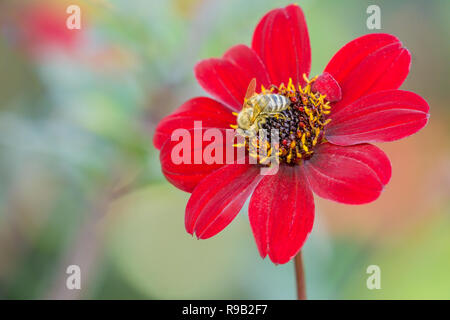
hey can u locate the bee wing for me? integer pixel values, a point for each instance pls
(259, 107)
(251, 90)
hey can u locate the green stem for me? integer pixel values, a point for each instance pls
(300, 277)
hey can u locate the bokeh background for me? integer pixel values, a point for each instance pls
(80, 181)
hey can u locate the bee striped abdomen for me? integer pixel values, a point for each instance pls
(277, 102)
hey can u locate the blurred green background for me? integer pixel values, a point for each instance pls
(80, 181)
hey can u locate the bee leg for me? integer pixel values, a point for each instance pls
(282, 115)
(261, 122)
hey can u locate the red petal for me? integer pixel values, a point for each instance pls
(350, 55)
(352, 175)
(219, 198)
(379, 117)
(187, 175)
(281, 213)
(368, 64)
(326, 84)
(281, 40)
(227, 79)
(213, 114)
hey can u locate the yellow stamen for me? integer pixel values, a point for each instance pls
(299, 155)
(237, 145)
(289, 157)
(291, 86)
(316, 137)
(305, 77)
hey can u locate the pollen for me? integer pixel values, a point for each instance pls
(300, 126)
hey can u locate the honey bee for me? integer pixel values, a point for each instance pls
(258, 107)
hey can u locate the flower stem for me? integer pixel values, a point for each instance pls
(300, 277)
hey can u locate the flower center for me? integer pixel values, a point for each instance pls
(295, 114)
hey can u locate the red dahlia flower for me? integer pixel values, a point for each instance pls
(325, 134)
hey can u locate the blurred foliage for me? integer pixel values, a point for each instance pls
(80, 182)
(415, 267)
